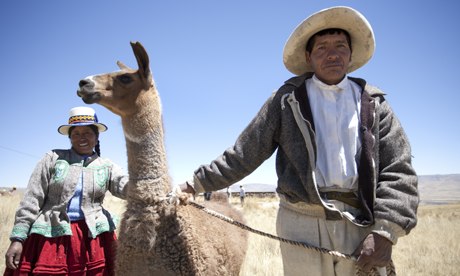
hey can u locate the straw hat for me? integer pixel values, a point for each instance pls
(345, 18)
(81, 116)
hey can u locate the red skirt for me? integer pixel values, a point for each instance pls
(68, 255)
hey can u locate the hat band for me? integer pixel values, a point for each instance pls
(82, 119)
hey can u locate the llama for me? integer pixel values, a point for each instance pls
(155, 236)
(10, 192)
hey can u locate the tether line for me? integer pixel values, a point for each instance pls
(296, 243)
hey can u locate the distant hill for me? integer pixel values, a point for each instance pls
(439, 189)
(253, 187)
(434, 189)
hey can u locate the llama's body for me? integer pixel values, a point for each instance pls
(10, 192)
(156, 237)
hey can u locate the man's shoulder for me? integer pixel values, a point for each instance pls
(292, 84)
(297, 81)
(374, 91)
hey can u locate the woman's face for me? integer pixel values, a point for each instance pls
(83, 140)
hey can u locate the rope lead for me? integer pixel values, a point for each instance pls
(245, 227)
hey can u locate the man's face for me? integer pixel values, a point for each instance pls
(329, 57)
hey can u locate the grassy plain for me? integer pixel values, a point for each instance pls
(432, 248)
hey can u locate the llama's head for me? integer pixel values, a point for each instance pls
(122, 92)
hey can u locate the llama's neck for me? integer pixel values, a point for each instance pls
(147, 164)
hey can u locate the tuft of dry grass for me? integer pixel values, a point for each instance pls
(263, 256)
(432, 248)
(8, 206)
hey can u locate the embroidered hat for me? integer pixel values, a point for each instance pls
(345, 18)
(81, 116)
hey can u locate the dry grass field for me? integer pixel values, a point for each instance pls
(433, 248)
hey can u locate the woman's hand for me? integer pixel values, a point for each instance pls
(13, 255)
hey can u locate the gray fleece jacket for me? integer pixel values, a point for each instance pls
(387, 182)
(43, 210)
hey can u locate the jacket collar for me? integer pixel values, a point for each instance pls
(298, 81)
(77, 158)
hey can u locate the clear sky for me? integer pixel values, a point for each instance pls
(215, 63)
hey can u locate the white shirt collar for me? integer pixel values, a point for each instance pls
(335, 87)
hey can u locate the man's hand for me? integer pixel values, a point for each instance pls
(374, 250)
(186, 188)
(181, 194)
(13, 255)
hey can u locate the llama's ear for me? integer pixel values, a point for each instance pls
(142, 59)
(123, 66)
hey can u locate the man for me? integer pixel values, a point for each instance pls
(242, 195)
(345, 178)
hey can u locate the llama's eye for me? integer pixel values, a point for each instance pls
(125, 79)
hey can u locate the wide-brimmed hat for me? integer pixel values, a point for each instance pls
(81, 116)
(345, 18)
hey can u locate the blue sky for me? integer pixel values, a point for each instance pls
(215, 63)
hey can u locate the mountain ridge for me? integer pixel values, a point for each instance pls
(433, 189)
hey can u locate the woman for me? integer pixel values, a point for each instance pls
(60, 226)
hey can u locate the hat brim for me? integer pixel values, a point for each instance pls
(64, 129)
(348, 19)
